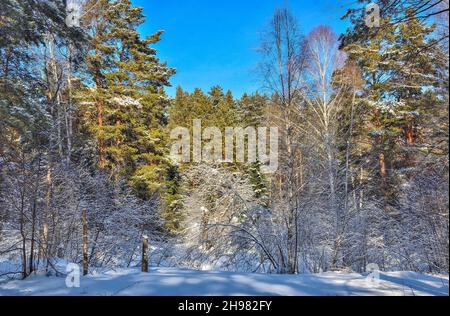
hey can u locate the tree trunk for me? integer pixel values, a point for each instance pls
(24, 250)
(409, 134)
(382, 163)
(22, 220)
(144, 266)
(33, 230)
(85, 242)
(44, 242)
(409, 139)
(100, 140)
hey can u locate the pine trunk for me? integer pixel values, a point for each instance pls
(144, 254)
(85, 242)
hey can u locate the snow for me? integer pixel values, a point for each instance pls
(181, 282)
(126, 101)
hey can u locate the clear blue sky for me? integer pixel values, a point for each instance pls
(213, 42)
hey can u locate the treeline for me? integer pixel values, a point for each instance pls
(363, 175)
(363, 146)
(83, 113)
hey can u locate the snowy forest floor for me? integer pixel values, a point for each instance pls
(181, 282)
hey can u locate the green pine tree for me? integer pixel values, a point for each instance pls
(125, 98)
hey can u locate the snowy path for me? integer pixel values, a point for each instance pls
(170, 281)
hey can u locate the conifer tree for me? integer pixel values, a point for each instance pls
(395, 75)
(252, 109)
(127, 104)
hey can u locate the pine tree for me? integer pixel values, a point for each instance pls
(224, 107)
(172, 212)
(415, 71)
(387, 59)
(127, 104)
(258, 182)
(396, 71)
(252, 109)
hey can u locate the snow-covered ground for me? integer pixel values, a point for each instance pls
(171, 281)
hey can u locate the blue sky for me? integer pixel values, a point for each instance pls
(213, 42)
